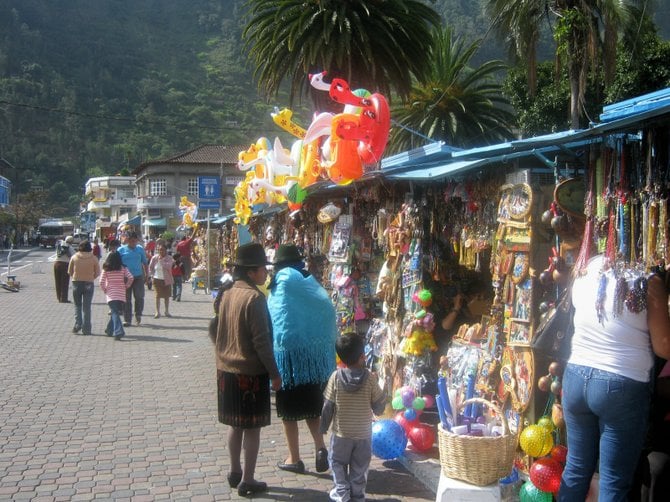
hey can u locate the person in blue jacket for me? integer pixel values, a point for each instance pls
(305, 330)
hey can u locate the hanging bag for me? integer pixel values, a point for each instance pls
(553, 335)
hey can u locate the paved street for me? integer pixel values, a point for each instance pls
(91, 418)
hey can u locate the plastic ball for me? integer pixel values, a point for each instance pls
(407, 425)
(545, 473)
(559, 453)
(408, 397)
(410, 414)
(429, 401)
(422, 437)
(398, 393)
(388, 439)
(556, 387)
(536, 441)
(397, 403)
(531, 493)
(545, 421)
(425, 298)
(418, 403)
(555, 369)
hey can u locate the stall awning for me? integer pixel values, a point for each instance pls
(155, 222)
(135, 220)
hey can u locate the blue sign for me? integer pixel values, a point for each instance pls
(209, 204)
(209, 187)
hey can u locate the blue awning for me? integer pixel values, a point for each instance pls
(155, 222)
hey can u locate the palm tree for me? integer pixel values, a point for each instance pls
(458, 104)
(518, 23)
(586, 32)
(379, 45)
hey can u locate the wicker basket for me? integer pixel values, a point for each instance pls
(477, 460)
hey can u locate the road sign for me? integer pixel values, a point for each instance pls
(209, 204)
(209, 187)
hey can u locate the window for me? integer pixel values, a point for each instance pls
(192, 188)
(158, 187)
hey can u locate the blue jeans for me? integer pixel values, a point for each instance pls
(606, 415)
(115, 324)
(82, 294)
(176, 287)
(136, 290)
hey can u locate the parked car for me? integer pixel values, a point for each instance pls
(78, 237)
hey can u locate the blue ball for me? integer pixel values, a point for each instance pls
(388, 439)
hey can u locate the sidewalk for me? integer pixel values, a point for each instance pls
(91, 418)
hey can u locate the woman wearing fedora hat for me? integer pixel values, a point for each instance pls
(304, 327)
(245, 365)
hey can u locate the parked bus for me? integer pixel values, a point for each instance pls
(53, 231)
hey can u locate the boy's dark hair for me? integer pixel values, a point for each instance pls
(349, 348)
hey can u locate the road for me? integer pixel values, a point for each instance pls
(90, 418)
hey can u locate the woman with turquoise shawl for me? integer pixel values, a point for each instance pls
(303, 323)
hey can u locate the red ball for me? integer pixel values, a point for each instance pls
(407, 425)
(560, 453)
(545, 473)
(422, 437)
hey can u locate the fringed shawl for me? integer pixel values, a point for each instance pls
(303, 323)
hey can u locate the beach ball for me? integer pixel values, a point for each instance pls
(418, 403)
(545, 473)
(429, 401)
(388, 439)
(531, 493)
(407, 425)
(536, 441)
(411, 414)
(397, 403)
(422, 437)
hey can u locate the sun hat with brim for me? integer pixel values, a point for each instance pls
(251, 255)
(287, 253)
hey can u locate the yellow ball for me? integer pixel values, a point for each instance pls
(536, 441)
(545, 421)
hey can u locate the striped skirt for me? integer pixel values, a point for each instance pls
(244, 400)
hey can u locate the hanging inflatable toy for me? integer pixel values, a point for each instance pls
(190, 212)
(284, 119)
(254, 157)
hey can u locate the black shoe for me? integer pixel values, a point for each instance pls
(126, 324)
(234, 479)
(76, 329)
(322, 460)
(245, 489)
(298, 467)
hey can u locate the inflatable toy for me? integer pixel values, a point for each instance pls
(388, 439)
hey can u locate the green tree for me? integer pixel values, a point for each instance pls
(373, 44)
(458, 104)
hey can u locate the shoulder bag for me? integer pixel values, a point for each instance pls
(553, 334)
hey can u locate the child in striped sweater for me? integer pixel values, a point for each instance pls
(114, 281)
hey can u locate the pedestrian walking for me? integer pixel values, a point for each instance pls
(160, 270)
(351, 397)
(185, 249)
(114, 282)
(245, 365)
(83, 268)
(135, 260)
(64, 252)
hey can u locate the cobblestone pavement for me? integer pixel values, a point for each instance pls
(88, 417)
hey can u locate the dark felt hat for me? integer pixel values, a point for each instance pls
(251, 255)
(287, 253)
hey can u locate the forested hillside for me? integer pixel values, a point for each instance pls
(91, 87)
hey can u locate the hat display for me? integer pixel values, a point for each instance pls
(251, 255)
(287, 253)
(69, 239)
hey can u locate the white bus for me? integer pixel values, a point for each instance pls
(50, 232)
